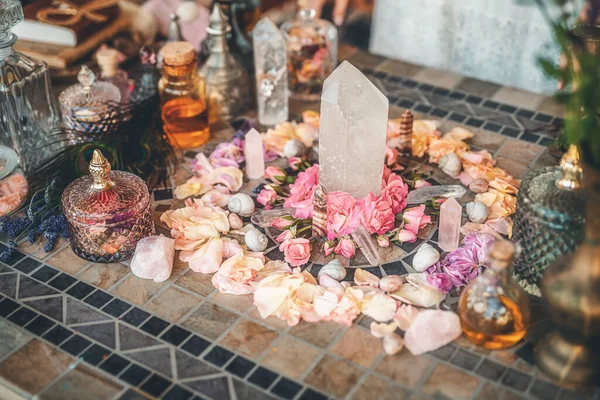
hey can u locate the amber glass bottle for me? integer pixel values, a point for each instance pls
(493, 308)
(183, 97)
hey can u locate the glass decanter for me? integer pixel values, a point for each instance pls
(107, 212)
(183, 97)
(227, 83)
(86, 104)
(108, 61)
(549, 221)
(493, 308)
(311, 53)
(27, 104)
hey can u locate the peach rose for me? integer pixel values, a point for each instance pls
(296, 251)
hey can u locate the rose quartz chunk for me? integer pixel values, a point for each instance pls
(430, 330)
(450, 222)
(153, 258)
(255, 156)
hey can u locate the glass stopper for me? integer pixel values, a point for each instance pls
(86, 77)
(307, 14)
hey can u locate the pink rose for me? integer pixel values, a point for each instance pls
(228, 154)
(346, 248)
(267, 197)
(294, 163)
(343, 214)
(383, 241)
(275, 174)
(440, 280)
(419, 183)
(302, 191)
(329, 247)
(415, 219)
(283, 236)
(407, 236)
(391, 156)
(394, 191)
(296, 251)
(377, 215)
(281, 223)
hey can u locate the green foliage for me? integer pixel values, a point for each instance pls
(581, 77)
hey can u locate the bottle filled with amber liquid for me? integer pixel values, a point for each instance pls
(184, 108)
(493, 308)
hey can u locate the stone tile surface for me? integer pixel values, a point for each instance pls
(249, 338)
(404, 368)
(210, 320)
(400, 68)
(520, 151)
(156, 359)
(445, 79)
(518, 98)
(334, 376)
(67, 261)
(172, 304)
(199, 283)
(550, 106)
(450, 382)
(374, 387)
(11, 338)
(34, 366)
(137, 290)
(480, 88)
(320, 334)
(82, 382)
(104, 275)
(290, 356)
(358, 346)
(131, 339)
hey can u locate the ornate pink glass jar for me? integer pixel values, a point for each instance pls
(108, 212)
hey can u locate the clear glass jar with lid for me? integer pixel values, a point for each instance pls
(107, 212)
(311, 53)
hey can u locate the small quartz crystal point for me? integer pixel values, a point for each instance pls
(366, 244)
(352, 133)
(421, 195)
(406, 128)
(263, 218)
(450, 222)
(270, 66)
(255, 156)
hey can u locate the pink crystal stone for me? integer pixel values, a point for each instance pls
(450, 220)
(255, 155)
(430, 330)
(153, 258)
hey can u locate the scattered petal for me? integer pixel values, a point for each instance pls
(382, 330)
(378, 306)
(405, 316)
(392, 344)
(363, 278)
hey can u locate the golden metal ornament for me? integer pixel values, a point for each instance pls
(100, 171)
(571, 290)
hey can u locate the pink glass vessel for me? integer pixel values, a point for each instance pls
(107, 212)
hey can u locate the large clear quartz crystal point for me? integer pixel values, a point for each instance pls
(352, 135)
(271, 73)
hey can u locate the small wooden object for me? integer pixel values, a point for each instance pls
(319, 221)
(406, 127)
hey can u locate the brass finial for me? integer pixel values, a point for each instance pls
(100, 170)
(571, 170)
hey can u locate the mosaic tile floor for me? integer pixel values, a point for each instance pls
(70, 329)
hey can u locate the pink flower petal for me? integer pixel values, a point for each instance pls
(364, 278)
(405, 315)
(382, 330)
(392, 344)
(378, 306)
(207, 259)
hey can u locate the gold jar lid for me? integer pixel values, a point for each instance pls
(178, 53)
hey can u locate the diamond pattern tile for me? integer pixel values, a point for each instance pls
(52, 306)
(104, 333)
(216, 388)
(78, 313)
(158, 360)
(31, 288)
(131, 339)
(189, 367)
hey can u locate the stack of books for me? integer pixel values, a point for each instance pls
(56, 39)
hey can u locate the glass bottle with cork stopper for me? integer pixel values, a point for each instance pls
(493, 308)
(107, 212)
(108, 61)
(183, 97)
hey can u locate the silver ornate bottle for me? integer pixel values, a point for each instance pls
(28, 111)
(549, 221)
(226, 80)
